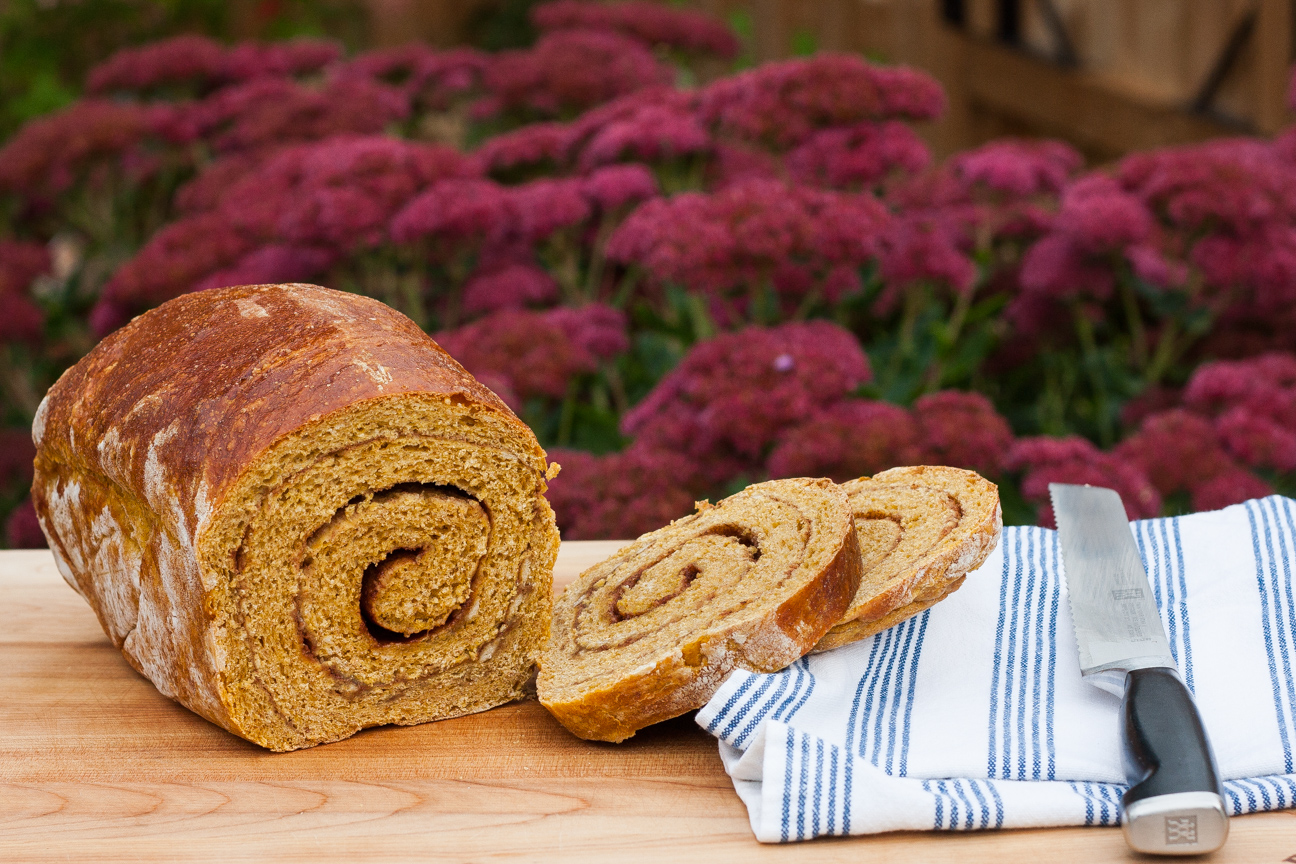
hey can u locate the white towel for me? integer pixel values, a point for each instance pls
(973, 714)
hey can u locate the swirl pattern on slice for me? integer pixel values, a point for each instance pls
(921, 530)
(649, 634)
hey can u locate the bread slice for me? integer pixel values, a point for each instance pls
(752, 582)
(297, 516)
(920, 530)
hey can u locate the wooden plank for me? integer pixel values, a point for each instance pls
(1082, 107)
(96, 765)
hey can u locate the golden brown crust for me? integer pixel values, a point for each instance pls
(649, 634)
(947, 521)
(161, 454)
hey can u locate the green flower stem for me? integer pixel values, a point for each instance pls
(1089, 348)
(953, 329)
(1166, 353)
(567, 418)
(1134, 318)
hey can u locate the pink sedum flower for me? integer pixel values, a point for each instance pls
(858, 156)
(1056, 268)
(510, 286)
(51, 153)
(749, 234)
(203, 63)
(175, 260)
(596, 328)
(963, 430)
(568, 71)
(1227, 488)
(345, 189)
(181, 59)
(653, 23)
(1237, 184)
(1099, 217)
(533, 145)
(1256, 439)
(1045, 460)
(530, 353)
(852, 438)
(617, 186)
(456, 209)
(268, 112)
(546, 206)
(732, 396)
(1018, 167)
(272, 264)
(619, 495)
(1177, 450)
(425, 75)
(651, 134)
(922, 248)
(781, 104)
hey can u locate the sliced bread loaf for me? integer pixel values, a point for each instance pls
(920, 531)
(752, 582)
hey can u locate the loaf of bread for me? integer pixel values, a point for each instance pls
(297, 516)
(920, 531)
(752, 582)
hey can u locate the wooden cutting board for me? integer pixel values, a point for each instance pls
(96, 765)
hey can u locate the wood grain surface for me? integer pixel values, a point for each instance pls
(96, 765)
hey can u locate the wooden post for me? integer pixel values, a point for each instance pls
(1273, 43)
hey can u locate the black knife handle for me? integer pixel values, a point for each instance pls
(1166, 749)
(1167, 754)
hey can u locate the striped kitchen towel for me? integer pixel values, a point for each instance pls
(973, 714)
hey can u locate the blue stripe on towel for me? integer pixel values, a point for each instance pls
(992, 751)
(1023, 676)
(805, 695)
(747, 704)
(912, 687)
(733, 700)
(1268, 628)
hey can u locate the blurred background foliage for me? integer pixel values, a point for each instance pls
(688, 267)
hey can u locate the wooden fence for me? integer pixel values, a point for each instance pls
(1108, 75)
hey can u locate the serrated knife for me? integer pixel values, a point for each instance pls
(1174, 804)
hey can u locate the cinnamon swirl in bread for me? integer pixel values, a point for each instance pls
(920, 530)
(752, 582)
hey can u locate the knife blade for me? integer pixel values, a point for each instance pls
(1174, 804)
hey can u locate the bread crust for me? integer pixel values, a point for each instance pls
(140, 445)
(686, 674)
(936, 572)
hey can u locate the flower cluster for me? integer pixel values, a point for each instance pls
(619, 495)
(270, 112)
(1097, 219)
(652, 23)
(523, 354)
(430, 79)
(201, 63)
(567, 71)
(287, 218)
(20, 263)
(50, 154)
(1073, 459)
(732, 396)
(782, 104)
(686, 280)
(859, 156)
(750, 236)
